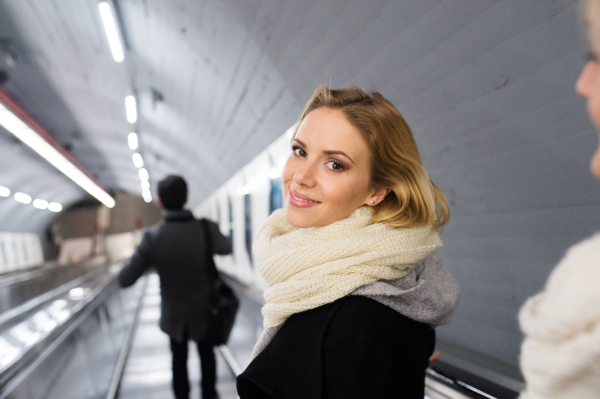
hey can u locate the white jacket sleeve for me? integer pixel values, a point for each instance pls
(560, 356)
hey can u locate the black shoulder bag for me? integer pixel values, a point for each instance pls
(224, 301)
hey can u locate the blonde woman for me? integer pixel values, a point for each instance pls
(560, 356)
(355, 284)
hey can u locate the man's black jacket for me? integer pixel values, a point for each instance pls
(176, 248)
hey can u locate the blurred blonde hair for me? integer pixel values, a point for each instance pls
(395, 161)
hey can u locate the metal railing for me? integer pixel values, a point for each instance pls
(39, 326)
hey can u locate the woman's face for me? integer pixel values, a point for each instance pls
(327, 176)
(588, 84)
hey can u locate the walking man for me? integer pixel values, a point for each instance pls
(176, 248)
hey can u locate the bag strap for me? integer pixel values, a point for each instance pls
(209, 252)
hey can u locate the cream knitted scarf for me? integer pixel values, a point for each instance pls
(310, 267)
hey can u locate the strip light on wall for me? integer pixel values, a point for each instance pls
(39, 144)
(54, 207)
(138, 161)
(143, 174)
(111, 31)
(23, 198)
(40, 204)
(26, 199)
(131, 109)
(132, 139)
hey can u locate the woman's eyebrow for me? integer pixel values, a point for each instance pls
(338, 153)
(327, 152)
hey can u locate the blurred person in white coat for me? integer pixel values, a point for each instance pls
(560, 356)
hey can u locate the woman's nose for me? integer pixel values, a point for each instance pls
(305, 176)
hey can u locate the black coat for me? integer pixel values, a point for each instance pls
(354, 347)
(176, 248)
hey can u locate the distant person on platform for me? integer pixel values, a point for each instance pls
(175, 247)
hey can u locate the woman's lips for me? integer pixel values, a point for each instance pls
(301, 201)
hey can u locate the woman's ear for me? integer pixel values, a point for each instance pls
(377, 196)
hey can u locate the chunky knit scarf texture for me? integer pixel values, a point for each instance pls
(310, 267)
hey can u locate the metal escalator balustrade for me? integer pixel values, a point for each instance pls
(22, 286)
(35, 320)
(44, 341)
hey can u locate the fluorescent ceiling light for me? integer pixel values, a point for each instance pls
(111, 31)
(137, 160)
(23, 198)
(133, 141)
(40, 204)
(143, 174)
(131, 109)
(145, 185)
(27, 135)
(4, 192)
(54, 207)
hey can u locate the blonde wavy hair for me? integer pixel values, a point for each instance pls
(395, 161)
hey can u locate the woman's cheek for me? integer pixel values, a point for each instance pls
(337, 190)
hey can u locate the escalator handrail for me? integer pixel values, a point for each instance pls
(115, 382)
(18, 373)
(39, 300)
(34, 272)
(250, 292)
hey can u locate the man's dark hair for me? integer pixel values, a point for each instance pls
(173, 192)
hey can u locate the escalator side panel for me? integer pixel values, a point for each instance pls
(81, 365)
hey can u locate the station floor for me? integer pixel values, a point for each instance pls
(147, 372)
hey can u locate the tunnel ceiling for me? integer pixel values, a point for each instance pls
(209, 97)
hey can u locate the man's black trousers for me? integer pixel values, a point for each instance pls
(181, 384)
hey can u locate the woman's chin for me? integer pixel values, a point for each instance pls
(298, 218)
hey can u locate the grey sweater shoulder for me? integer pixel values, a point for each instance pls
(428, 294)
